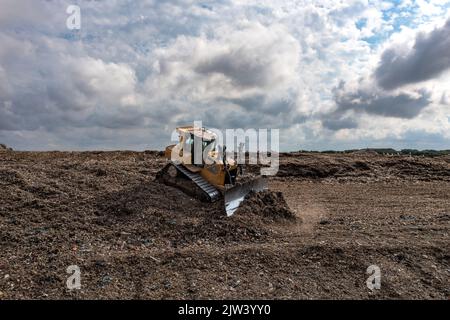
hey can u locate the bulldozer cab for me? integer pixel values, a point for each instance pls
(188, 135)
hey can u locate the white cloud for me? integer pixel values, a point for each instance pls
(138, 68)
(229, 65)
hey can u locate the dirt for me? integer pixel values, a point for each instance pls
(365, 167)
(133, 237)
(267, 203)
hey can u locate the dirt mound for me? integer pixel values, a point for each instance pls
(268, 204)
(163, 212)
(4, 147)
(363, 167)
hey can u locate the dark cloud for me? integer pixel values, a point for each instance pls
(399, 106)
(372, 101)
(428, 58)
(260, 103)
(250, 103)
(335, 122)
(244, 71)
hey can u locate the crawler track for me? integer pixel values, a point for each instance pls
(190, 182)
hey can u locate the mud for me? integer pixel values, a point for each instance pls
(133, 237)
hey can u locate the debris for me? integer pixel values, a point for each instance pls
(155, 259)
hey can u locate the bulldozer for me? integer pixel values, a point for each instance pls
(211, 176)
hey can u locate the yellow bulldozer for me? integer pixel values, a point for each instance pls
(200, 168)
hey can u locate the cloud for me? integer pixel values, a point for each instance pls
(445, 99)
(225, 79)
(382, 93)
(136, 69)
(48, 88)
(237, 56)
(402, 105)
(368, 100)
(231, 60)
(427, 59)
(339, 122)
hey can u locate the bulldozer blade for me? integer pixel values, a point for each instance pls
(235, 195)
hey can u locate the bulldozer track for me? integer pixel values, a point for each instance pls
(208, 188)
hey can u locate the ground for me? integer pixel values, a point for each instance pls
(135, 238)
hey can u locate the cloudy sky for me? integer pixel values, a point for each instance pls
(329, 74)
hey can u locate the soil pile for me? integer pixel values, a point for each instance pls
(268, 204)
(4, 148)
(364, 167)
(163, 212)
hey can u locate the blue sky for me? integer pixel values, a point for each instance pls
(327, 74)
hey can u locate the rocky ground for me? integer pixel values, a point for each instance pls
(133, 237)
